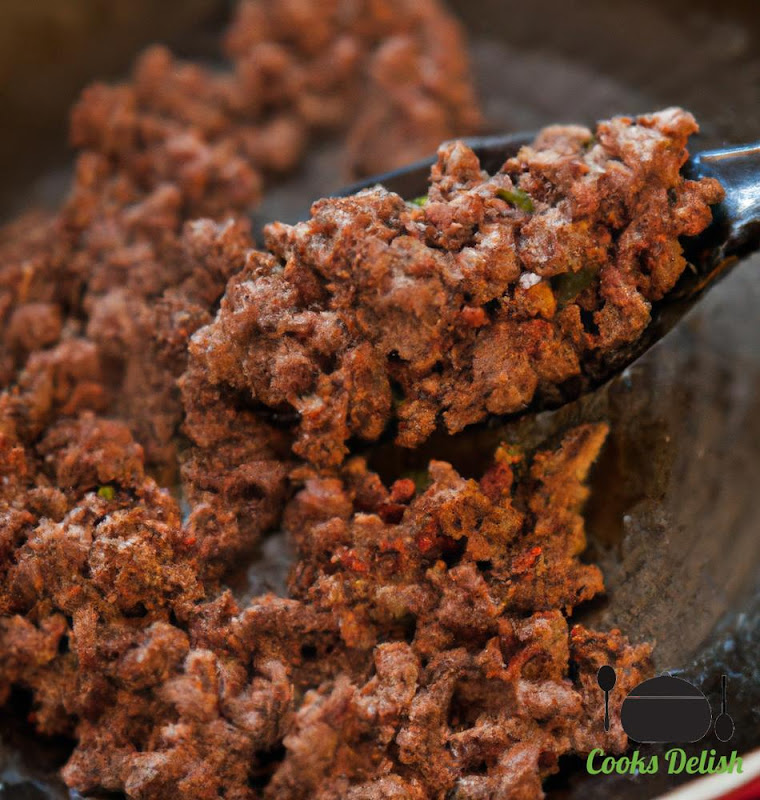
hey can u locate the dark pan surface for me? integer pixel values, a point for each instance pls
(674, 516)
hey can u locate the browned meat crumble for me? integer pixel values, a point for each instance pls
(497, 289)
(425, 649)
(118, 263)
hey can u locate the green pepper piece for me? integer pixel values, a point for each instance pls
(569, 285)
(517, 198)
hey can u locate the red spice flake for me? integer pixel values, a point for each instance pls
(350, 560)
(475, 317)
(427, 539)
(526, 561)
(402, 490)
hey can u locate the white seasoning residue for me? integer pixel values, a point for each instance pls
(528, 279)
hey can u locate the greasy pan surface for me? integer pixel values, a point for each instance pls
(675, 512)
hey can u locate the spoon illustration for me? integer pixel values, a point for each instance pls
(724, 725)
(606, 679)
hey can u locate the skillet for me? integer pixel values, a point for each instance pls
(674, 514)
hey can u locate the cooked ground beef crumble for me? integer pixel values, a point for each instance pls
(426, 648)
(495, 289)
(119, 264)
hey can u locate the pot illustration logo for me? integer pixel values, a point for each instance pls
(666, 709)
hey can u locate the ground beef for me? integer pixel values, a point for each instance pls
(426, 648)
(178, 141)
(461, 592)
(494, 290)
(234, 472)
(464, 725)
(394, 72)
(298, 67)
(147, 441)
